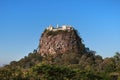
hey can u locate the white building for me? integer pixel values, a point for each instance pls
(64, 27)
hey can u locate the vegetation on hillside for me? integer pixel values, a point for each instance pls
(68, 66)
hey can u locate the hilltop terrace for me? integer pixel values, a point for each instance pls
(64, 27)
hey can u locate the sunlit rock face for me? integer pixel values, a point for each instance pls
(60, 40)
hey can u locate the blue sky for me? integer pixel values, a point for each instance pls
(23, 21)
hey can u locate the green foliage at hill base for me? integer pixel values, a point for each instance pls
(67, 66)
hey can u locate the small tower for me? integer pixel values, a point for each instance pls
(64, 27)
(50, 28)
(57, 26)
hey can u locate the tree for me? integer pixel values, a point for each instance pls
(117, 60)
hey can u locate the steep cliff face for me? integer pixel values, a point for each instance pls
(60, 42)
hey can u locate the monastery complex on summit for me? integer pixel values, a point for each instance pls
(64, 27)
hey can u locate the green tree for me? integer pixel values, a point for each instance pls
(117, 60)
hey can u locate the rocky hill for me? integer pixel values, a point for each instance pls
(72, 60)
(60, 40)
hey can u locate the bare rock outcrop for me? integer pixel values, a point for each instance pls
(60, 40)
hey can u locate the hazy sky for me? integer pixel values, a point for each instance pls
(23, 21)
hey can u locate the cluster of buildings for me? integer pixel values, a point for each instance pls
(64, 27)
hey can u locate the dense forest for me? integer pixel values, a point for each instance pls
(67, 66)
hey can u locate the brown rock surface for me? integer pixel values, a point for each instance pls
(60, 42)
